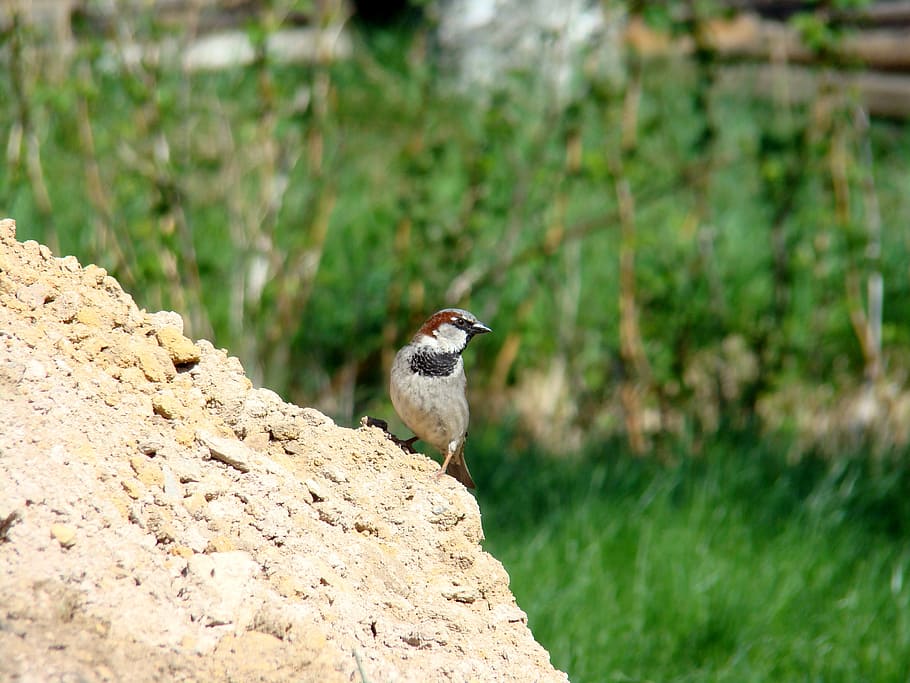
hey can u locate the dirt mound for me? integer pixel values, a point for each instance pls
(160, 519)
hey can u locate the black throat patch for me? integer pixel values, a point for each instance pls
(434, 364)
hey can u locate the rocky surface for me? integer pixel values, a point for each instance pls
(161, 519)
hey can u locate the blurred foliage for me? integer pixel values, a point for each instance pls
(308, 217)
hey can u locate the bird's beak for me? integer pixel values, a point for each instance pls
(479, 328)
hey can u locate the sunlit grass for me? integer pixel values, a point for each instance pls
(737, 568)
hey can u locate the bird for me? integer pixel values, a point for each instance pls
(427, 386)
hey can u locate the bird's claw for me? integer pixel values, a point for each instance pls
(407, 445)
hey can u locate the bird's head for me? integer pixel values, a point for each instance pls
(449, 330)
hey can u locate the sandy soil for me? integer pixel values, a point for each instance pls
(160, 519)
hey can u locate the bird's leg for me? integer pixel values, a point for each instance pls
(450, 452)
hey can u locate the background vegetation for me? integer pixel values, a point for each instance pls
(735, 566)
(673, 266)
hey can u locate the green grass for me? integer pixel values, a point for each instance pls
(734, 567)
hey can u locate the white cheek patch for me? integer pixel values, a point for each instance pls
(447, 339)
(431, 341)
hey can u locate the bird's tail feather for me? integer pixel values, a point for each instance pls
(458, 468)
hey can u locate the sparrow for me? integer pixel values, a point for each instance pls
(427, 386)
